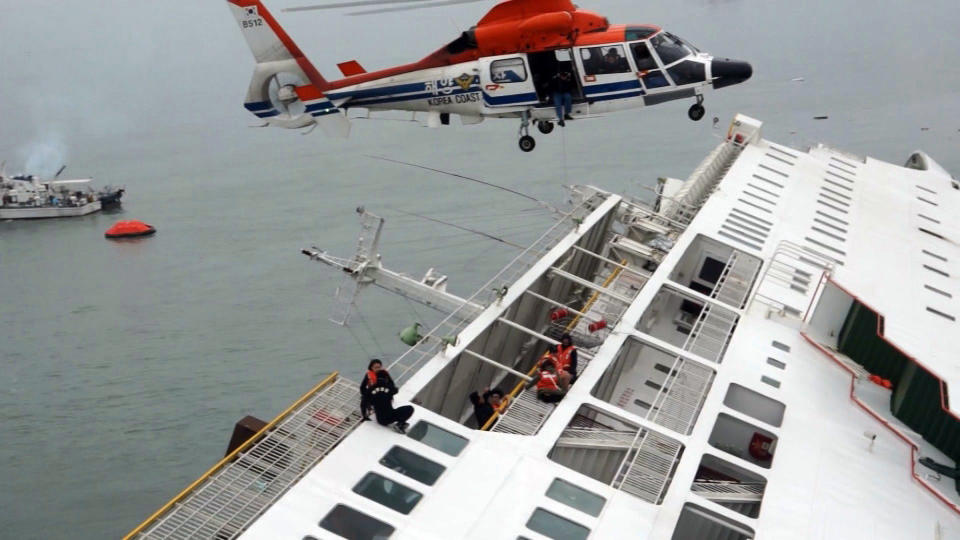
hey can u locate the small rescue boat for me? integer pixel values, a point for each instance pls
(129, 229)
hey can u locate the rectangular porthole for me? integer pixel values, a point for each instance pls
(554, 526)
(781, 346)
(439, 438)
(942, 314)
(772, 382)
(350, 523)
(393, 495)
(576, 497)
(754, 404)
(776, 363)
(412, 464)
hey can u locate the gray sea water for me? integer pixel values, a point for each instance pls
(123, 366)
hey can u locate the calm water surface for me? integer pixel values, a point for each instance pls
(123, 366)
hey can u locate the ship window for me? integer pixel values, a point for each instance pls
(438, 438)
(388, 493)
(776, 363)
(554, 526)
(642, 56)
(670, 48)
(754, 404)
(576, 497)
(350, 523)
(688, 72)
(769, 380)
(604, 60)
(508, 70)
(413, 465)
(711, 269)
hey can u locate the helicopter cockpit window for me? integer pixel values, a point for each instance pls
(604, 60)
(670, 48)
(642, 56)
(508, 70)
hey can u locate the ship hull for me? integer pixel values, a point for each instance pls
(49, 212)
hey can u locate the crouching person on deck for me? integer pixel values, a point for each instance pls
(368, 382)
(551, 384)
(380, 397)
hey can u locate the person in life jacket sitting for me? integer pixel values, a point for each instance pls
(551, 384)
(369, 380)
(564, 355)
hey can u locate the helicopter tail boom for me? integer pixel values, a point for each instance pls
(285, 90)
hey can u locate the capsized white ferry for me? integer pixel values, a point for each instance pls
(766, 351)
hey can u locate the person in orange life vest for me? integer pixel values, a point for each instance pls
(369, 380)
(485, 405)
(565, 356)
(551, 384)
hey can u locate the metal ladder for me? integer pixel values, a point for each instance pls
(729, 492)
(711, 332)
(524, 415)
(648, 466)
(735, 281)
(229, 499)
(681, 397)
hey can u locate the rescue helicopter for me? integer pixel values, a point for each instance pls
(500, 68)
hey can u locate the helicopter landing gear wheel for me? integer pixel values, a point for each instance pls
(545, 126)
(697, 111)
(527, 143)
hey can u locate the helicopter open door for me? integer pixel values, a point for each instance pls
(507, 81)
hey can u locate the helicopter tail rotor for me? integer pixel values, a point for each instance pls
(285, 90)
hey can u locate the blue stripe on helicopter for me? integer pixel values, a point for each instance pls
(320, 106)
(267, 114)
(610, 87)
(257, 105)
(325, 112)
(377, 92)
(519, 99)
(622, 95)
(409, 97)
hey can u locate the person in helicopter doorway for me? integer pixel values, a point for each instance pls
(562, 85)
(379, 395)
(551, 384)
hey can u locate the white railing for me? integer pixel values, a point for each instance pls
(431, 344)
(789, 281)
(702, 182)
(711, 332)
(681, 396)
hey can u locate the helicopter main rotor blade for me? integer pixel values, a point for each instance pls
(409, 8)
(353, 3)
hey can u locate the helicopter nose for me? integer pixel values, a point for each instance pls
(727, 72)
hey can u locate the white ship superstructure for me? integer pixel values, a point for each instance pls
(765, 351)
